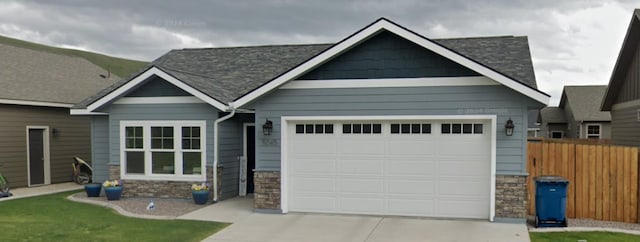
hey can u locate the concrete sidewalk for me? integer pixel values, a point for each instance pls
(41, 190)
(227, 211)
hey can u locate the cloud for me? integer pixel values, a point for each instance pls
(574, 41)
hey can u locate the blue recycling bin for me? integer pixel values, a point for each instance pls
(551, 201)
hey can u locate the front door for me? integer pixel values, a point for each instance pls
(250, 154)
(36, 157)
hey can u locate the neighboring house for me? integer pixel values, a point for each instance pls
(552, 122)
(578, 115)
(533, 124)
(384, 122)
(622, 97)
(38, 136)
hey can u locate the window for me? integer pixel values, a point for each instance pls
(556, 134)
(593, 131)
(314, 128)
(166, 150)
(461, 128)
(410, 128)
(367, 128)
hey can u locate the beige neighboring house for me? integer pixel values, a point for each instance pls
(578, 116)
(38, 136)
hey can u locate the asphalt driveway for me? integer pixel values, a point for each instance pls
(324, 227)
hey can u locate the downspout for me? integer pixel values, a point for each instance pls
(215, 149)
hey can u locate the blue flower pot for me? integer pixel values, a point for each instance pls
(113, 193)
(200, 197)
(93, 189)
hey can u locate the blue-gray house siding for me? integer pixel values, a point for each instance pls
(100, 147)
(230, 135)
(468, 100)
(387, 55)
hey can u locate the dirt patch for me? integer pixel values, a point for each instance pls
(169, 207)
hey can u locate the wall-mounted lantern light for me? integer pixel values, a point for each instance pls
(508, 127)
(267, 127)
(55, 132)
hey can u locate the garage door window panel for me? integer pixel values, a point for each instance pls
(362, 128)
(410, 128)
(314, 128)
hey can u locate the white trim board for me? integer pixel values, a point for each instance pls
(391, 82)
(285, 120)
(144, 76)
(371, 30)
(36, 103)
(158, 100)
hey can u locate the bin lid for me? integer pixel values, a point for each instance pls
(551, 179)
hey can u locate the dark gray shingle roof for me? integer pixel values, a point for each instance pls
(226, 74)
(31, 75)
(552, 115)
(585, 102)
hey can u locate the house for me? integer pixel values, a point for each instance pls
(38, 136)
(385, 121)
(578, 115)
(622, 97)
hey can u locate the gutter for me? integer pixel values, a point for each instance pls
(215, 149)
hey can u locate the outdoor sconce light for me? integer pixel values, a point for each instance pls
(267, 127)
(55, 132)
(508, 127)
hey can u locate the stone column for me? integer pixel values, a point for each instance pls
(266, 190)
(511, 197)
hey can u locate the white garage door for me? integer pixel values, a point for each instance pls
(430, 168)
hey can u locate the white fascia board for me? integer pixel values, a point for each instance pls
(35, 103)
(386, 25)
(144, 76)
(84, 112)
(391, 82)
(158, 100)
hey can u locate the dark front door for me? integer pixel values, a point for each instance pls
(36, 156)
(251, 156)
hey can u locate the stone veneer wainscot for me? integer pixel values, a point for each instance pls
(266, 190)
(164, 189)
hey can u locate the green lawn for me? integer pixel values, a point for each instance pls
(54, 218)
(588, 236)
(119, 66)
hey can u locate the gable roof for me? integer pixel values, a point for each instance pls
(585, 102)
(38, 78)
(236, 74)
(627, 51)
(552, 115)
(383, 24)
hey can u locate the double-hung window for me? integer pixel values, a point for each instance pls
(593, 131)
(168, 150)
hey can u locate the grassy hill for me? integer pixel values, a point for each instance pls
(118, 66)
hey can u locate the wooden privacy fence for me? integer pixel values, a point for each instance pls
(603, 179)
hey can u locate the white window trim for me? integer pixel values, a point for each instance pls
(177, 143)
(587, 135)
(287, 120)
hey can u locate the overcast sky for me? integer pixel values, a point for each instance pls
(573, 42)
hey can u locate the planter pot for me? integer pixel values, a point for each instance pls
(93, 189)
(113, 193)
(200, 197)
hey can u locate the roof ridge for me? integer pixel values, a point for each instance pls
(250, 46)
(480, 37)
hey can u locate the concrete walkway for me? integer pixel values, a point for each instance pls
(42, 190)
(227, 211)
